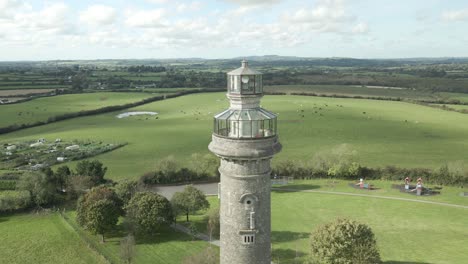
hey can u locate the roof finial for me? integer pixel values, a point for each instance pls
(244, 63)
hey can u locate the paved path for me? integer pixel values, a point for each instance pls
(368, 195)
(168, 191)
(200, 236)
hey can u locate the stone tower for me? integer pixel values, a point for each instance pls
(245, 138)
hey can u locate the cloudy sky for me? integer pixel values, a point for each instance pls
(48, 30)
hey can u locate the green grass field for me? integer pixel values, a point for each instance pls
(381, 132)
(354, 90)
(167, 246)
(42, 108)
(406, 232)
(32, 238)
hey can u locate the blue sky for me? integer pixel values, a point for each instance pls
(49, 30)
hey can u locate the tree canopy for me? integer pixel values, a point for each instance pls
(147, 211)
(189, 201)
(344, 242)
(99, 210)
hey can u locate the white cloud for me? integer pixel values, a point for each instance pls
(457, 15)
(360, 28)
(146, 18)
(157, 1)
(7, 7)
(98, 15)
(53, 18)
(253, 2)
(189, 7)
(325, 12)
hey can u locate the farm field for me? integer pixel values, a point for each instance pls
(354, 90)
(32, 238)
(381, 132)
(19, 92)
(42, 108)
(368, 91)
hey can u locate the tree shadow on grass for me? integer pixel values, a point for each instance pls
(165, 234)
(287, 236)
(299, 187)
(284, 255)
(404, 262)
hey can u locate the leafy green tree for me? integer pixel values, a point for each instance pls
(62, 176)
(79, 82)
(344, 242)
(147, 211)
(93, 169)
(204, 164)
(99, 210)
(189, 201)
(126, 189)
(41, 188)
(167, 165)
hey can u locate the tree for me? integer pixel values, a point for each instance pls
(127, 249)
(99, 210)
(126, 189)
(205, 164)
(62, 176)
(93, 169)
(79, 82)
(344, 242)
(167, 165)
(189, 201)
(147, 211)
(41, 188)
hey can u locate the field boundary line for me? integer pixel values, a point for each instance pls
(91, 244)
(97, 111)
(368, 195)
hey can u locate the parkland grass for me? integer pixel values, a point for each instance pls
(33, 238)
(381, 132)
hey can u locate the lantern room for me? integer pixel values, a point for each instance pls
(245, 124)
(244, 81)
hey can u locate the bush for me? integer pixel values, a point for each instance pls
(14, 200)
(7, 185)
(343, 242)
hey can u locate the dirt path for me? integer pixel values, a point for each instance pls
(374, 196)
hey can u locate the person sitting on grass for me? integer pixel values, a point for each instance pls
(360, 183)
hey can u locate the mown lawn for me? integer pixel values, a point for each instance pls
(32, 238)
(380, 132)
(406, 232)
(166, 246)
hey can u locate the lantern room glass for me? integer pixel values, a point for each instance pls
(245, 84)
(248, 123)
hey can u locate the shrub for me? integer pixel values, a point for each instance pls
(344, 242)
